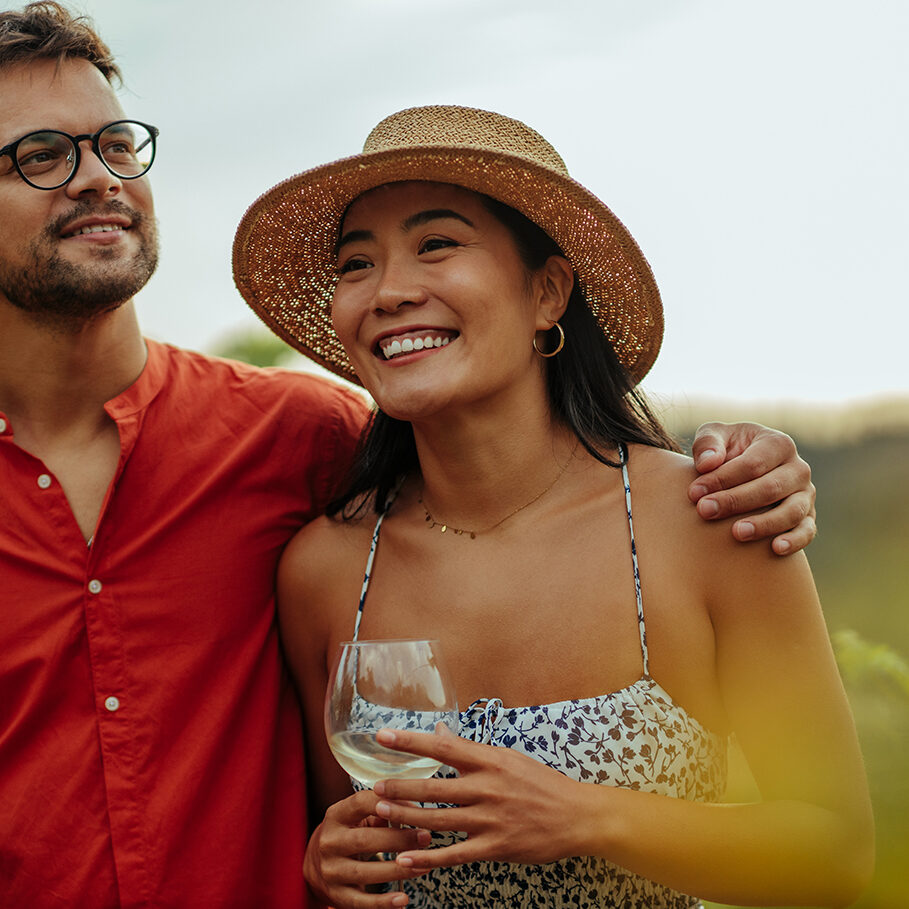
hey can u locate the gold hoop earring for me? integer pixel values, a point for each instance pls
(546, 356)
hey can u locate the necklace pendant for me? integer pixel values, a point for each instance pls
(444, 528)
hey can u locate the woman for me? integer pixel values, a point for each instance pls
(501, 316)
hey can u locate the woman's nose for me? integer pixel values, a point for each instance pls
(397, 287)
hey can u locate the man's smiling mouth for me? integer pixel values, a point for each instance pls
(95, 229)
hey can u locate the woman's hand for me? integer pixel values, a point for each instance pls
(745, 467)
(340, 860)
(512, 808)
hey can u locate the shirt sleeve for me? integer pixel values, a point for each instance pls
(348, 416)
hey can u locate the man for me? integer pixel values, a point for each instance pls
(150, 742)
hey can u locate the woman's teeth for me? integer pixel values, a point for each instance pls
(408, 345)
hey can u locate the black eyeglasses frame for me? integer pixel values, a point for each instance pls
(77, 141)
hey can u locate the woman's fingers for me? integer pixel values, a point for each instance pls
(443, 746)
(371, 840)
(342, 862)
(468, 850)
(349, 874)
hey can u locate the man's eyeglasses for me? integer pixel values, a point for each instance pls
(49, 158)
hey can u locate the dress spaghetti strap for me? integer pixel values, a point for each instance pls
(623, 454)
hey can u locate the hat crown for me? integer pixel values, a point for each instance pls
(451, 126)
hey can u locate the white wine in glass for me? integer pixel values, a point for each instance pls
(394, 684)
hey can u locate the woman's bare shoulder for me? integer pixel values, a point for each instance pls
(662, 477)
(325, 548)
(728, 571)
(319, 577)
(659, 490)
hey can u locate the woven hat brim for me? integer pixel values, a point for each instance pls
(284, 264)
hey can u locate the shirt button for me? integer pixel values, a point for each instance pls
(44, 481)
(112, 703)
(94, 586)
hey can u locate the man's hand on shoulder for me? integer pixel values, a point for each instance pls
(746, 467)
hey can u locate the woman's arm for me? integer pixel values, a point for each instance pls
(810, 840)
(304, 614)
(314, 603)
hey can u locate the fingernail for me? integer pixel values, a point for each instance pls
(708, 508)
(745, 530)
(405, 860)
(383, 809)
(781, 547)
(400, 900)
(705, 455)
(386, 737)
(699, 491)
(424, 837)
(379, 788)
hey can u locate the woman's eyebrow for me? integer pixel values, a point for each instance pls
(432, 214)
(353, 236)
(414, 220)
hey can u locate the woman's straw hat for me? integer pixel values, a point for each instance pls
(283, 256)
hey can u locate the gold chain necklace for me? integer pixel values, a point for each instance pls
(460, 531)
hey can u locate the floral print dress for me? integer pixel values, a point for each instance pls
(636, 738)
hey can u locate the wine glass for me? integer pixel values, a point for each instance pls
(394, 684)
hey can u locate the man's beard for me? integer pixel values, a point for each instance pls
(63, 295)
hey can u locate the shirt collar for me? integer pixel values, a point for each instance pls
(146, 387)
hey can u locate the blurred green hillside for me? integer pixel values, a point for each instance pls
(859, 456)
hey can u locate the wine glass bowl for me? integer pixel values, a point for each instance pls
(392, 684)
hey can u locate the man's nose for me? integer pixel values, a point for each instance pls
(92, 176)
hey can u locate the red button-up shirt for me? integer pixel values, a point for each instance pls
(150, 740)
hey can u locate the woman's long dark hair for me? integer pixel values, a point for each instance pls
(589, 391)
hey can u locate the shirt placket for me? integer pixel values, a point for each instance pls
(115, 710)
(116, 702)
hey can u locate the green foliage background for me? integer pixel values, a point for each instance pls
(860, 560)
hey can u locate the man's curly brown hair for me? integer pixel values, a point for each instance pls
(45, 30)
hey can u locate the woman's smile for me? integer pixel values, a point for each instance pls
(394, 346)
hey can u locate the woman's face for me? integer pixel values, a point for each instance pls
(434, 305)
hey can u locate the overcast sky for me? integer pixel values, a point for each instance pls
(757, 151)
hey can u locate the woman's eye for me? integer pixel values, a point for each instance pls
(352, 265)
(434, 243)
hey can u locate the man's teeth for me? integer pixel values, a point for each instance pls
(96, 229)
(409, 345)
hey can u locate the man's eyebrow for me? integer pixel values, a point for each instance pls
(353, 236)
(433, 214)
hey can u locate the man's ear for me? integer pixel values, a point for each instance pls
(555, 283)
